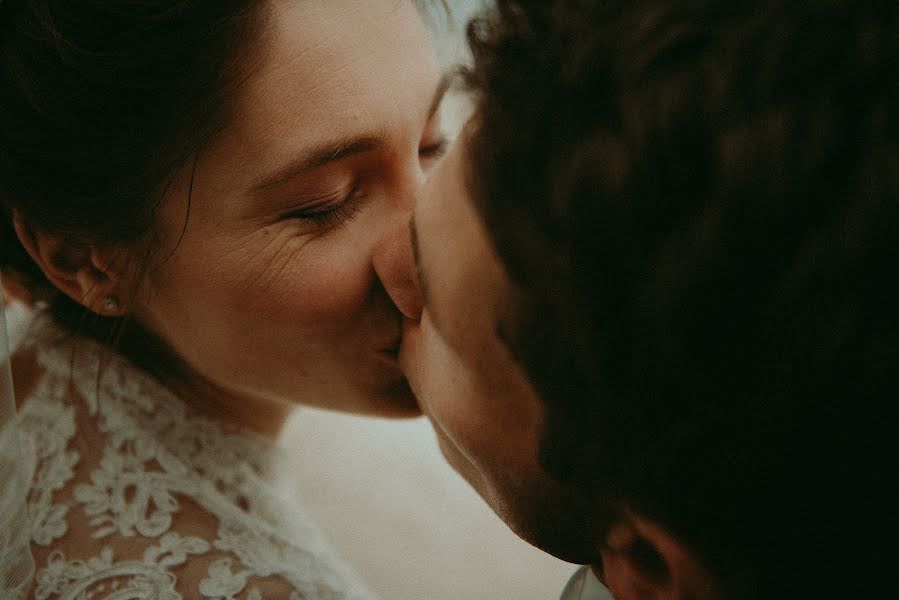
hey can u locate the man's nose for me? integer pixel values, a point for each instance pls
(393, 265)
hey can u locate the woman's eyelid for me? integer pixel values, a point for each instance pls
(309, 193)
(336, 216)
(311, 205)
(311, 199)
(325, 208)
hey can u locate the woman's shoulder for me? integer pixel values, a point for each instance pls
(128, 488)
(22, 333)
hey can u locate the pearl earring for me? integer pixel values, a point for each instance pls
(111, 304)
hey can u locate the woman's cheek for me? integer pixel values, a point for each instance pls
(307, 282)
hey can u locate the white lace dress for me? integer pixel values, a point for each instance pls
(132, 496)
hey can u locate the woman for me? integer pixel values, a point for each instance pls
(219, 190)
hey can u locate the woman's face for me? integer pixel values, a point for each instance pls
(286, 276)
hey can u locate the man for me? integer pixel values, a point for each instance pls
(660, 325)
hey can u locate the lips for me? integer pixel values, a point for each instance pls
(388, 357)
(389, 352)
(389, 349)
(394, 345)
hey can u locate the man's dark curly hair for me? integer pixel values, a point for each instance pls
(698, 200)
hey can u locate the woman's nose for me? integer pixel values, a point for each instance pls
(393, 265)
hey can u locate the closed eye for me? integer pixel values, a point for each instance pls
(435, 149)
(332, 215)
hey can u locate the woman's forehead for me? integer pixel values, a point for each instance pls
(327, 63)
(328, 70)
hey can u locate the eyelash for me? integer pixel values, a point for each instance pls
(348, 209)
(335, 215)
(435, 150)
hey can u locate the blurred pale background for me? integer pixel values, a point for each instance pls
(410, 527)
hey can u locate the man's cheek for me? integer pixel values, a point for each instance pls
(410, 352)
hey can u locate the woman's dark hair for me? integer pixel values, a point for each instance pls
(699, 201)
(101, 101)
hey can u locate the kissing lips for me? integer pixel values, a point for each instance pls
(389, 353)
(389, 357)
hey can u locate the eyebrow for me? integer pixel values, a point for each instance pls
(443, 86)
(416, 260)
(316, 158)
(333, 151)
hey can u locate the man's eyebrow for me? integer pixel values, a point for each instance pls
(416, 260)
(443, 86)
(315, 158)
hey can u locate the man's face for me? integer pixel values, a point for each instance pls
(487, 417)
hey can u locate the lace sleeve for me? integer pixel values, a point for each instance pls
(132, 496)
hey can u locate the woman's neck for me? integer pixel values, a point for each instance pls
(233, 409)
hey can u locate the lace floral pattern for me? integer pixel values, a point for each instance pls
(173, 505)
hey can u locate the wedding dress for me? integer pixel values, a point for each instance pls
(130, 495)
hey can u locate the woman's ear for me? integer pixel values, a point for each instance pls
(80, 271)
(643, 561)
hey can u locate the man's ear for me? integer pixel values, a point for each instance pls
(643, 561)
(82, 272)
